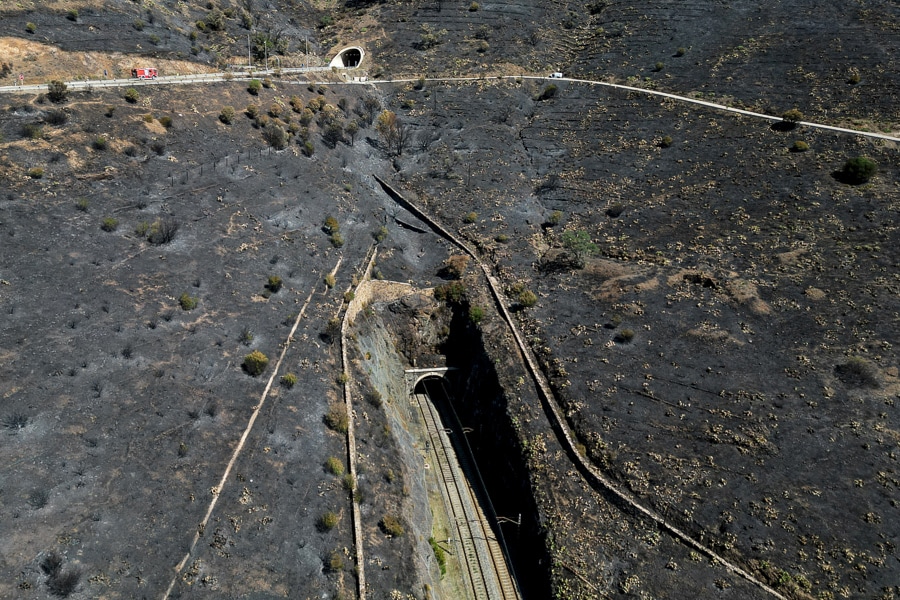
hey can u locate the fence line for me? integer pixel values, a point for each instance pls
(223, 164)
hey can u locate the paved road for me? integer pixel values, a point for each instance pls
(212, 77)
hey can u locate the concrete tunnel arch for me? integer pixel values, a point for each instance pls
(348, 58)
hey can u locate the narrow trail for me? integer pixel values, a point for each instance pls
(217, 491)
(555, 414)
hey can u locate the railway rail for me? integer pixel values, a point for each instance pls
(480, 553)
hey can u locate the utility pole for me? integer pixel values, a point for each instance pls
(266, 48)
(249, 60)
(307, 51)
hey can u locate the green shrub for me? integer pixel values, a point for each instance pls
(334, 562)
(329, 280)
(681, 51)
(132, 96)
(336, 239)
(267, 83)
(148, 118)
(349, 296)
(658, 67)
(308, 148)
(110, 111)
(452, 292)
(792, 116)
(527, 298)
(335, 466)
(439, 555)
(331, 225)
(473, 7)
(165, 122)
(32, 131)
(328, 521)
(665, 142)
(138, 24)
(35, 172)
(72, 15)
(625, 336)
(502, 238)
(348, 482)
(391, 525)
(252, 111)
(858, 170)
(555, 218)
(800, 146)
(142, 228)
(380, 234)
(476, 314)
(854, 77)
(274, 284)
(57, 91)
(188, 302)
(82, 204)
(470, 217)
(109, 224)
(162, 231)
(254, 86)
(30, 27)
(255, 363)
(336, 418)
(342, 379)
(227, 115)
(100, 143)
(289, 380)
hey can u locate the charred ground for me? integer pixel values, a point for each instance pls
(727, 355)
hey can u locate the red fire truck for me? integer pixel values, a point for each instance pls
(145, 73)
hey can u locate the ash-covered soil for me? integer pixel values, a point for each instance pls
(727, 355)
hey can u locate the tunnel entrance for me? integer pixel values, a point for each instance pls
(348, 58)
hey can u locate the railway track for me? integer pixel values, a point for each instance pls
(480, 554)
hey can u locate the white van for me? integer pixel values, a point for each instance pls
(556, 75)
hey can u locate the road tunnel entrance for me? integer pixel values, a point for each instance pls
(348, 58)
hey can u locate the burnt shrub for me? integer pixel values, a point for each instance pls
(548, 92)
(255, 363)
(158, 146)
(15, 422)
(56, 117)
(51, 563)
(858, 372)
(63, 583)
(38, 499)
(455, 266)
